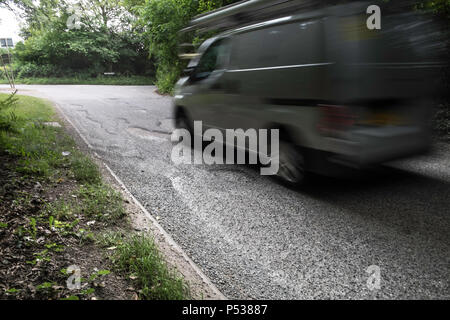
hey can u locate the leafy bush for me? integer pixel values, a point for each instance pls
(161, 22)
(166, 77)
(105, 42)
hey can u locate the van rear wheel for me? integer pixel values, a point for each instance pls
(291, 171)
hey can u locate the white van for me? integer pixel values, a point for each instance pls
(340, 94)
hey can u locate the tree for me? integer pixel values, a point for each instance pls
(161, 21)
(105, 40)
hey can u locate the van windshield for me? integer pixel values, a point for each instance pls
(214, 58)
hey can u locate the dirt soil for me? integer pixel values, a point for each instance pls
(31, 261)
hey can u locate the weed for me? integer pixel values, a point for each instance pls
(71, 298)
(60, 210)
(40, 256)
(55, 247)
(138, 256)
(65, 228)
(85, 235)
(97, 274)
(109, 238)
(33, 229)
(85, 170)
(45, 286)
(87, 292)
(12, 291)
(101, 202)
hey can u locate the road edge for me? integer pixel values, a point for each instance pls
(157, 227)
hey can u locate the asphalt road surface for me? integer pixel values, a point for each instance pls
(257, 239)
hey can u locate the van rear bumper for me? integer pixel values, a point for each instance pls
(366, 147)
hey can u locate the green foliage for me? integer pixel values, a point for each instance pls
(139, 257)
(33, 229)
(73, 297)
(161, 22)
(101, 202)
(97, 274)
(84, 170)
(32, 70)
(94, 201)
(45, 286)
(81, 78)
(438, 7)
(109, 238)
(7, 120)
(12, 291)
(129, 37)
(167, 75)
(104, 42)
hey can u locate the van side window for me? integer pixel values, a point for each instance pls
(214, 58)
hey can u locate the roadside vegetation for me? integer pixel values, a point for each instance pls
(136, 39)
(100, 80)
(56, 211)
(137, 256)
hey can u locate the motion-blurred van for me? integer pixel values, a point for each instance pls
(340, 93)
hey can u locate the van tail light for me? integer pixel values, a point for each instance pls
(334, 119)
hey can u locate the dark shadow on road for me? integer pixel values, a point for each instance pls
(407, 201)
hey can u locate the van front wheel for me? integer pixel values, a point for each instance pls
(183, 122)
(291, 171)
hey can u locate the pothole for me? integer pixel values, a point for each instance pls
(166, 124)
(148, 134)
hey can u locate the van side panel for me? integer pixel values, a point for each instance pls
(276, 77)
(283, 61)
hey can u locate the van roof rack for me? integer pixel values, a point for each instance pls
(247, 12)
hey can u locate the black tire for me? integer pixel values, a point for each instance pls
(182, 121)
(292, 165)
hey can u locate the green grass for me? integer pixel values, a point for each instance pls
(101, 202)
(38, 149)
(37, 146)
(84, 170)
(31, 109)
(138, 256)
(61, 210)
(111, 80)
(94, 201)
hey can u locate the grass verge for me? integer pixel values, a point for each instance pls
(137, 256)
(53, 205)
(113, 80)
